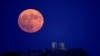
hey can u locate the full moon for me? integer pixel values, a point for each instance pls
(30, 20)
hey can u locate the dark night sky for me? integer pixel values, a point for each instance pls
(76, 23)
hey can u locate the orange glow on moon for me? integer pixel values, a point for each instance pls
(30, 20)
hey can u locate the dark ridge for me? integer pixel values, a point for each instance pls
(47, 52)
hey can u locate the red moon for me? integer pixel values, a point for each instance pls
(30, 20)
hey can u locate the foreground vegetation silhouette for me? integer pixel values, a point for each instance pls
(48, 52)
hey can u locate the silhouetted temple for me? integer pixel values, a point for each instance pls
(49, 52)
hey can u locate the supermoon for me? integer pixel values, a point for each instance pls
(30, 20)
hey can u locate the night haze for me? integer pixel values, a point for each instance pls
(76, 23)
